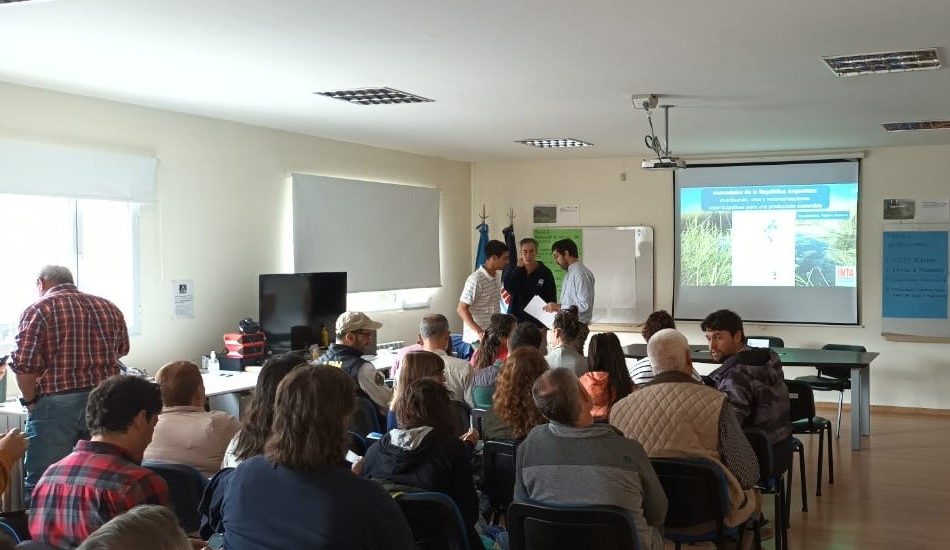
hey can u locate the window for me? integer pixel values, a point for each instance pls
(391, 300)
(96, 239)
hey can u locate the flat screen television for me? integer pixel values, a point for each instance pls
(294, 308)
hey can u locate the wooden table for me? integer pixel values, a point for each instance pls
(859, 362)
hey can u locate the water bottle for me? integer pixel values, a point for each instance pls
(213, 366)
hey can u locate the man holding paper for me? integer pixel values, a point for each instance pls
(527, 279)
(577, 289)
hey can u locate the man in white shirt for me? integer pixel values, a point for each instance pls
(435, 334)
(577, 289)
(482, 293)
(186, 433)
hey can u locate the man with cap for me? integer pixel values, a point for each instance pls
(354, 332)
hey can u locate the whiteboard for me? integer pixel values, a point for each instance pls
(621, 259)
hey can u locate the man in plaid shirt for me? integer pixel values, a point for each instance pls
(67, 342)
(102, 478)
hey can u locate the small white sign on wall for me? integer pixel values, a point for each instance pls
(183, 298)
(569, 215)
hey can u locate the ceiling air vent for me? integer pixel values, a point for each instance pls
(915, 126)
(548, 143)
(375, 96)
(884, 62)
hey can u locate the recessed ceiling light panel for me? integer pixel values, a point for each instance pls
(548, 143)
(375, 96)
(915, 126)
(884, 62)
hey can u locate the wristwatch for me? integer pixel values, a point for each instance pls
(27, 403)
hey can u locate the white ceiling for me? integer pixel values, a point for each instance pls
(746, 75)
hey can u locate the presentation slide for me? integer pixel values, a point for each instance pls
(769, 235)
(776, 242)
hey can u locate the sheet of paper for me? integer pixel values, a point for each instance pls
(535, 308)
(933, 210)
(568, 215)
(183, 298)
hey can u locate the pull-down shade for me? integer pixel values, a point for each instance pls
(384, 236)
(28, 168)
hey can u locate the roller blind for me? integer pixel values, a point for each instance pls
(384, 236)
(28, 168)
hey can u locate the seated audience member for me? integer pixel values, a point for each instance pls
(13, 446)
(186, 433)
(401, 353)
(574, 462)
(424, 451)
(513, 412)
(607, 380)
(525, 335)
(298, 494)
(354, 334)
(642, 371)
(415, 365)
(676, 417)
(143, 527)
(751, 378)
(256, 427)
(102, 477)
(563, 345)
(437, 338)
(489, 357)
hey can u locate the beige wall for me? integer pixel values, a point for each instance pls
(905, 374)
(221, 211)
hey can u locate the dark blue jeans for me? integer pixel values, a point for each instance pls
(53, 427)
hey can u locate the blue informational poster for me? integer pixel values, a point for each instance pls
(915, 274)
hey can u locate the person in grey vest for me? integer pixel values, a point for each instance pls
(573, 461)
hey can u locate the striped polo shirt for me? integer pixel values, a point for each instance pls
(482, 293)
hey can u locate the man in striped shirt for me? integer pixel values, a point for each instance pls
(482, 293)
(67, 343)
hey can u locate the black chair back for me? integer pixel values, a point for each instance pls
(478, 418)
(463, 415)
(435, 521)
(358, 444)
(365, 418)
(774, 341)
(774, 460)
(499, 459)
(841, 373)
(186, 485)
(537, 527)
(801, 401)
(696, 490)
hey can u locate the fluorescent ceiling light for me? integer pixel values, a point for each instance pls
(915, 126)
(375, 96)
(546, 143)
(883, 62)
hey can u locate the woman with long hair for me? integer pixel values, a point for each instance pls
(415, 365)
(513, 412)
(607, 380)
(298, 494)
(256, 427)
(489, 357)
(424, 451)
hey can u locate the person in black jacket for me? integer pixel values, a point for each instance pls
(527, 278)
(423, 451)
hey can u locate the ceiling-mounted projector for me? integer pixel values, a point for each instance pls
(664, 159)
(663, 163)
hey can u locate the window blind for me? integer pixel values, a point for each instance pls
(385, 236)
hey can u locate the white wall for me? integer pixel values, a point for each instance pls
(221, 210)
(905, 374)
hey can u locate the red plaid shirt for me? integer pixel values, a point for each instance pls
(69, 339)
(93, 484)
